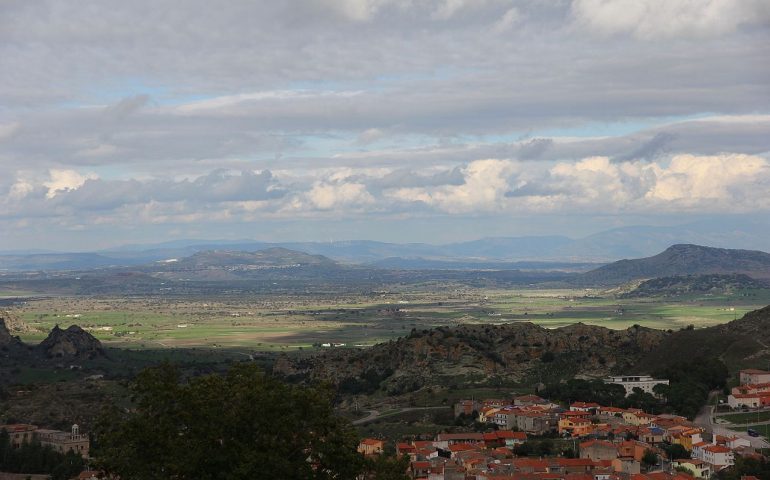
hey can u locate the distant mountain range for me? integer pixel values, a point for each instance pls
(683, 267)
(603, 247)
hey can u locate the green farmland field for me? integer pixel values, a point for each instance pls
(293, 322)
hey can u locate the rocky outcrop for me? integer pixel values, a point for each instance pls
(8, 341)
(14, 323)
(74, 342)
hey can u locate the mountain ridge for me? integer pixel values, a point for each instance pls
(682, 259)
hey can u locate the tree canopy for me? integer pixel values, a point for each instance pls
(242, 425)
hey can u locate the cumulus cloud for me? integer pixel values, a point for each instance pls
(65, 180)
(483, 189)
(327, 196)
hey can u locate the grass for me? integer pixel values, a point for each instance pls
(294, 322)
(743, 418)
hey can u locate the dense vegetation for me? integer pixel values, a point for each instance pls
(746, 466)
(242, 425)
(34, 458)
(690, 385)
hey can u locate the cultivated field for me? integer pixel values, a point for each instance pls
(294, 322)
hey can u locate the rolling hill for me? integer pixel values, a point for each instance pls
(682, 259)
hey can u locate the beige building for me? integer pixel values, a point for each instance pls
(63, 442)
(19, 433)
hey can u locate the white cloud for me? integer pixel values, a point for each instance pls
(691, 179)
(649, 19)
(484, 187)
(327, 196)
(65, 180)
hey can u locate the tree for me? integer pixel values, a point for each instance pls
(649, 458)
(382, 467)
(243, 425)
(675, 451)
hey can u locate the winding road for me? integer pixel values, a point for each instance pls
(376, 414)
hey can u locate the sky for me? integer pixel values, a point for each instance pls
(396, 120)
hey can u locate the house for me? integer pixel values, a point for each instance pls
(754, 376)
(696, 468)
(575, 426)
(445, 440)
(19, 433)
(598, 450)
(652, 435)
(718, 456)
(751, 388)
(529, 400)
(626, 465)
(419, 469)
(536, 422)
(588, 407)
(750, 400)
(636, 417)
(610, 411)
(633, 449)
(466, 407)
(504, 438)
(644, 382)
(371, 446)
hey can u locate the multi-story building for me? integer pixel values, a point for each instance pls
(64, 442)
(644, 382)
(19, 433)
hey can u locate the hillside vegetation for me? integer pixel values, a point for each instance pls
(694, 284)
(526, 353)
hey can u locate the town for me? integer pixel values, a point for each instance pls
(533, 438)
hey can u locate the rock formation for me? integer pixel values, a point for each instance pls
(74, 342)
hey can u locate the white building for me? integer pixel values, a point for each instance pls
(630, 382)
(717, 456)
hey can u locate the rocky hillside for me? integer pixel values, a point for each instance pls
(742, 343)
(524, 352)
(72, 342)
(473, 353)
(682, 260)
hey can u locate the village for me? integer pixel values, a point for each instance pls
(528, 437)
(602, 442)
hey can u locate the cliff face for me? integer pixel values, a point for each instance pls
(72, 342)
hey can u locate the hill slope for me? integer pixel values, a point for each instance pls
(682, 259)
(524, 352)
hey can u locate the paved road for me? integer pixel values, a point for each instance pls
(705, 419)
(375, 414)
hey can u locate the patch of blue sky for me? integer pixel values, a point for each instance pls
(590, 129)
